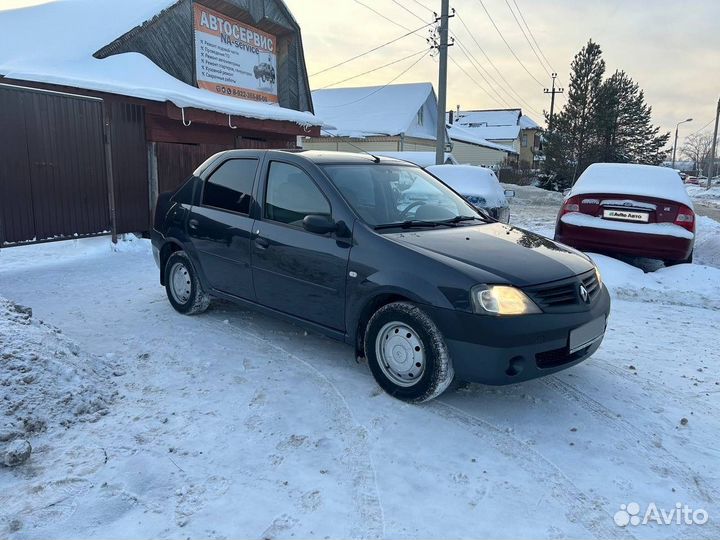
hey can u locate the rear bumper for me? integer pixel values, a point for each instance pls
(653, 246)
(506, 350)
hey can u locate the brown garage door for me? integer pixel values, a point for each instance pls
(53, 179)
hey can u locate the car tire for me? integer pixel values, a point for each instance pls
(182, 285)
(407, 353)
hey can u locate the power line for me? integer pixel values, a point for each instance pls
(376, 12)
(473, 79)
(374, 69)
(507, 84)
(533, 36)
(527, 38)
(410, 11)
(512, 51)
(699, 130)
(370, 51)
(424, 6)
(473, 62)
(382, 87)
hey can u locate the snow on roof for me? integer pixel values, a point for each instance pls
(464, 135)
(528, 123)
(55, 42)
(631, 179)
(370, 110)
(494, 125)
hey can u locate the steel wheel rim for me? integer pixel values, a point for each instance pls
(180, 285)
(400, 354)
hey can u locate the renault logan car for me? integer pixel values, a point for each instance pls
(424, 290)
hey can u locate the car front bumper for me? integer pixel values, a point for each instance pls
(507, 350)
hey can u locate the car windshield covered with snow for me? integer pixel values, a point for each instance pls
(387, 195)
(479, 185)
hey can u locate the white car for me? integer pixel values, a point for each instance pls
(479, 186)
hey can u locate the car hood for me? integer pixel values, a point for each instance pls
(514, 255)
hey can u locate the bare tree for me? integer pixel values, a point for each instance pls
(697, 149)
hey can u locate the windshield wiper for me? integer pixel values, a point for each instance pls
(410, 223)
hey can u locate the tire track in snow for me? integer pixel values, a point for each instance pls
(579, 507)
(691, 481)
(371, 519)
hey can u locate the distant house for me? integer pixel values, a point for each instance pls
(393, 118)
(507, 127)
(472, 150)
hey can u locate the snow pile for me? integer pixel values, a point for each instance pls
(469, 180)
(707, 242)
(131, 242)
(709, 197)
(632, 179)
(685, 284)
(46, 382)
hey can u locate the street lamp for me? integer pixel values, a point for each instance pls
(676, 135)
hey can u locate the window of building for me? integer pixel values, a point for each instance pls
(230, 186)
(291, 195)
(421, 116)
(524, 140)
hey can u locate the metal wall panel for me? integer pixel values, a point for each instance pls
(130, 166)
(61, 188)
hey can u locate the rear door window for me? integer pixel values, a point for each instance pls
(291, 195)
(230, 186)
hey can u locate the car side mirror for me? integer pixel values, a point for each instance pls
(509, 193)
(319, 224)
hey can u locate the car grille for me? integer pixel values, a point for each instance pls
(559, 294)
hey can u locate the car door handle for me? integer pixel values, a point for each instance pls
(193, 223)
(261, 243)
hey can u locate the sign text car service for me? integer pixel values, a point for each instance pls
(234, 59)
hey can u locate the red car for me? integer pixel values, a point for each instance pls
(638, 210)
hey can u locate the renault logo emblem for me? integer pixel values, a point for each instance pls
(584, 294)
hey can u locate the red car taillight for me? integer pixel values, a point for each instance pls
(686, 219)
(571, 205)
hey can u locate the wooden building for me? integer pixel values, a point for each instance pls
(122, 100)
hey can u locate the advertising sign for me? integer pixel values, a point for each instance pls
(233, 58)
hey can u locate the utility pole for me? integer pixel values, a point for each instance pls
(676, 137)
(552, 99)
(712, 148)
(442, 82)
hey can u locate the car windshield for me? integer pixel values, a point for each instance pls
(398, 195)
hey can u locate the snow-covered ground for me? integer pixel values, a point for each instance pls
(233, 424)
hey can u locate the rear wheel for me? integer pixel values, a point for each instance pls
(407, 353)
(183, 286)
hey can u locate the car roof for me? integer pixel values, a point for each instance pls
(327, 156)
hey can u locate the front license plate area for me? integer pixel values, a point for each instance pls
(626, 215)
(586, 334)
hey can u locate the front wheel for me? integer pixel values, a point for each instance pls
(407, 353)
(183, 286)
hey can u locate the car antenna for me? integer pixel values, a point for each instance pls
(376, 159)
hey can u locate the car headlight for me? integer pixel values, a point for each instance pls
(597, 274)
(501, 300)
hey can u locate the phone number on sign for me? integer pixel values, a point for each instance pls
(244, 94)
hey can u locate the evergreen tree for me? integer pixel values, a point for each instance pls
(623, 125)
(602, 121)
(568, 145)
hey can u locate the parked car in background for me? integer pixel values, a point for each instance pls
(638, 210)
(480, 187)
(423, 289)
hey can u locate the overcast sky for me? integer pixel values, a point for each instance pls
(671, 48)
